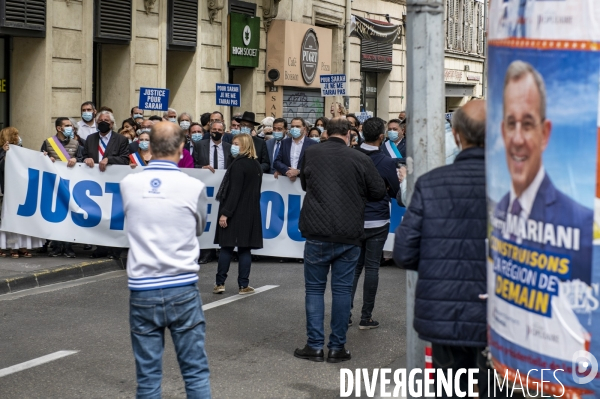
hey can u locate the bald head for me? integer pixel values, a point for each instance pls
(469, 123)
(166, 140)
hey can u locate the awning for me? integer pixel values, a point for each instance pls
(376, 31)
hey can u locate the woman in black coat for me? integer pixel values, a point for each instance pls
(240, 222)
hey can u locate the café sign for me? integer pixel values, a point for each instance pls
(309, 60)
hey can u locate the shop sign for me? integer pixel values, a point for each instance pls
(309, 60)
(244, 40)
(452, 75)
(2, 85)
(375, 31)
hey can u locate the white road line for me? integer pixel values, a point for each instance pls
(60, 286)
(237, 297)
(35, 362)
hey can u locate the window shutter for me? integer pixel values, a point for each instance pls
(468, 26)
(481, 30)
(242, 7)
(24, 16)
(183, 25)
(113, 21)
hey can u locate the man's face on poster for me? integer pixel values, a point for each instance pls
(524, 131)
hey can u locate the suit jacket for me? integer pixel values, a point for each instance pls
(284, 158)
(202, 150)
(557, 209)
(271, 150)
(263, 154)
(117, 149)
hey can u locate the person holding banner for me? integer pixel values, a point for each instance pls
(290, 156)
(64, 148)
(240, 220)
(143, 155)
(105, 148)
(273, 146)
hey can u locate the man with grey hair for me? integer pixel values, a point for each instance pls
(442, 236)
(532, 196)
(170, 115)
(104, 148)
(165, 211)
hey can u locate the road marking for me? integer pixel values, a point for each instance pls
(35, 362)
(234, 298)
(60, 286)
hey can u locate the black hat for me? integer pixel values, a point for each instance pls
(248, 117)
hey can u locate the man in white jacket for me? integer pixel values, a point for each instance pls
(165, 211)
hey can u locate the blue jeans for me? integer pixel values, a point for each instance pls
(318, 257)
(369, 259)
(179, 309)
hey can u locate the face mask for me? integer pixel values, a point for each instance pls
(174, 120)
(246, 130)
(138, 132)
(277, 135)
(130, 141)
(216, 136)
(320, 128)
(235, 150)
(355, 139)
(144, 130)
(235, 131)
(20, 143)
(103, 127)
(392, 135)
(68, 132)
(196, 137)
(261, 135)
(295, 132)
(144, 145)
(138, 116)
(317, 139)
(185, 125)
(87, 116)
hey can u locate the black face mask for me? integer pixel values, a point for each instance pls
(216, 136)
(103, 127)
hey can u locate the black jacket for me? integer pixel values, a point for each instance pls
(386, 166)
(117, 149)
(262, 153)
(338, 182)
(442, 236)
(242, 206)
(202, 150)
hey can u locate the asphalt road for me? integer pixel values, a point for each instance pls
(249, 342)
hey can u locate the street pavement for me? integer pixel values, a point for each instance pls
(250, 341)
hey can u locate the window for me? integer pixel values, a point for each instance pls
(183, 25)
(23, 17)
(112, 21)
(368, 92)
(465, 26)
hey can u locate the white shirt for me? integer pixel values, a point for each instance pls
(221, 157)
(295, 152)
(105, 140)
(84, 130)
(372, 224)
(165, 210)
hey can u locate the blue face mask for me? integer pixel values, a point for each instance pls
(278, 135)
(246, 130)
(235, 131)
(235, 150)
(317, 139)
(196, 137)
(87, 116)
(295, 132)
(138, 116)
(144, 145)
(68, 132)
(392, 135)
(320, 129)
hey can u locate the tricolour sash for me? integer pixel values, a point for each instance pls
(137, 159)
(393, 149)
(57, 146)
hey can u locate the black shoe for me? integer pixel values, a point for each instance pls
(206, 258)
(309, 353)
(350, 322)
(338, 355)
(98, 254)
(44, 248)
(69, 253)
(368, 324)
(87, 247)
(57, 251)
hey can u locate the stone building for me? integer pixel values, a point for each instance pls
(55, 54)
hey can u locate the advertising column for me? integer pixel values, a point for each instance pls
(544, 231)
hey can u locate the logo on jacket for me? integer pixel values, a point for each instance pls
(155, 184)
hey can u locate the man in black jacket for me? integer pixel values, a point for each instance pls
(377, 220)
(338, 182)
(442, 236)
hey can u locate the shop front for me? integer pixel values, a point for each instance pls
(294, 67)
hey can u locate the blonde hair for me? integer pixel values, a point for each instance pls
(10, 134)
(246, 145)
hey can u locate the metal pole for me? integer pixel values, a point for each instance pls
(425, 130)
(347, 51)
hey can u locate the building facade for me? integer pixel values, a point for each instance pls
(57, 54)
(464, 63)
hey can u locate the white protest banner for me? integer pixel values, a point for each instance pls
(83, 205)
(333, 85)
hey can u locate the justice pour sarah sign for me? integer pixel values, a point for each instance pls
(543, 195)
(154, 99)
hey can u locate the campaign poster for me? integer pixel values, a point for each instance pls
(542, 179)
